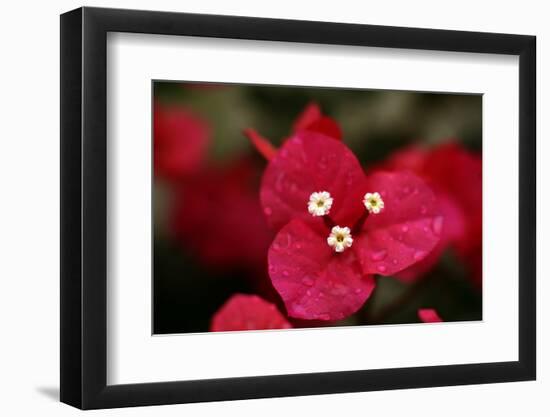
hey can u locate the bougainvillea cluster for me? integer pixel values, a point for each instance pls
(322, 262)
(317, 226)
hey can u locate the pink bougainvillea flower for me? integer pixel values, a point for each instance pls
(337, 227)
(455, 174)
(217, 217)
(429, 315)
(248, 312)
(180, 141)
(458, 172)
(311, 119)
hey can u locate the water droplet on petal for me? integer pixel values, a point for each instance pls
(418, 255)
(349, 179)
(339, 290)
(437, 225)
(308, 293)
(268, 211)
(404, 228)
(394, 261)
(285, 273)
(381, 268)
(279, 183)
(272, 269)
(358, 291)
(276, 246)
(298, 245)
(285, 241)
(307, 281)
(324, 317)
(406, 190)
(379, 256)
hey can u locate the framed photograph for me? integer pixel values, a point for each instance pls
(258, 208)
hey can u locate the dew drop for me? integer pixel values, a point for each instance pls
(308, 293)
(404, 228)
(285, 273)
(381, 268)
(418, 255)
(437, 225)
(379, 256)
(394, 261)
(298, 245)
(324, 317)
(279, 183)
(272, 269)
(268, 211)
(358, 291)
(285, 241)
(307, 281)
(339, 290)
(406, 190)
(276, 246)
(349, 179)
(322, 164)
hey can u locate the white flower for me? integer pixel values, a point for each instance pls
(340, 238)
(319, 203)
(373, 203)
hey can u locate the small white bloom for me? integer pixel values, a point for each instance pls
(319, 203)
(340, 238)
(373, 202)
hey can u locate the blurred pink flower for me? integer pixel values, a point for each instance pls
(180, 140)
(323, 257)
(248, 312)
(429, 315)
(456, 176)
(217, 216)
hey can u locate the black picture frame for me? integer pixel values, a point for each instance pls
(84, 207)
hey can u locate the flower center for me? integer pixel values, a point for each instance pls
(340, 238)
(373, 203)
(319, 203)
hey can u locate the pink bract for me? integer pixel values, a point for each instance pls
(180, 140)
(311, 120)
(429, 315)
(247, 312)
(314, 281)
(455, 175)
